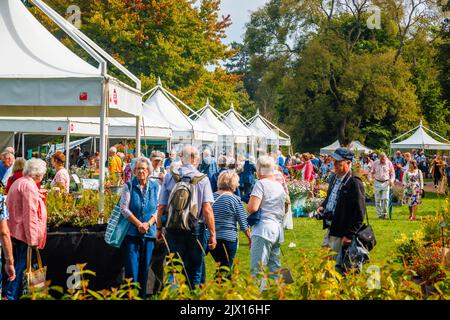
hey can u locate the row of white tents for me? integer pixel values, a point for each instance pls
(47, 89)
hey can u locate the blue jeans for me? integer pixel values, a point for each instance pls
(15, 288)
(224, 253)
(137, 255)
(186, 246)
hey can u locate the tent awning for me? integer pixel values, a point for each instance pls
(39, 76)
(420, 140)
(355, 146)
(51, 126)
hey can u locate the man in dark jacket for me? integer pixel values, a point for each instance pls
(344, 207)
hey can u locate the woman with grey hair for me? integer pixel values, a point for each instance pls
(139, 202)
(27, 221)
(269, 197)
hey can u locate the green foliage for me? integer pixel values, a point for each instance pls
(64, 210)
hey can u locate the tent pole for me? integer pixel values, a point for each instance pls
(23, 146)
(138, 136)
(102, 150)
(67, 145)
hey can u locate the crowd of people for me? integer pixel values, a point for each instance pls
(192, 204)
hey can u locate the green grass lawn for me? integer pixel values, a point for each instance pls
(308, 235)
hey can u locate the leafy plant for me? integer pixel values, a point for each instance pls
(427, 264)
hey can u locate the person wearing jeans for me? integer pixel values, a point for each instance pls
(267, 235)
(384, 175)
(27, 220)
(138, 205)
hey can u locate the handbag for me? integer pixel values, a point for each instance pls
(35, 278)
(254, 218)
(117, 227)
(366, 235)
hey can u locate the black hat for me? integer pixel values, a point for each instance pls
(343, 154)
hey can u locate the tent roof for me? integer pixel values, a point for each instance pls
(420, 139)
(40, 76)
(354, 145)
(233, 122)
(158, 103)
(29, 50)
(260, 129)
(208, 119)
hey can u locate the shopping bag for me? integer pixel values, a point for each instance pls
(35, 278)
(117, 228)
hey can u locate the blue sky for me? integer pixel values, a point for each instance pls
(239, 10)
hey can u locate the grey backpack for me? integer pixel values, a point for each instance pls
(182, 212)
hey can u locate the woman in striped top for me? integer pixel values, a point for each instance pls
(228, 211)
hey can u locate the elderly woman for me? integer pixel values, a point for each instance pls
(62, 178)
(228, 212)
(28, 220)
(308, 169)
(19, 164)
(269, 196)
(138, 204)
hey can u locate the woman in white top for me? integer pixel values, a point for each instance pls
(62, 178)
(269, 196)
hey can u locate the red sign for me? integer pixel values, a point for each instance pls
(59, 128)
(115, 96)
(83, 96)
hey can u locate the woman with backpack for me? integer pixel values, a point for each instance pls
(139, 201)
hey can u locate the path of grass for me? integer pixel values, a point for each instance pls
(308, 234)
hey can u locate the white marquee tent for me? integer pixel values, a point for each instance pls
(39, 76)
(420, 139)
(243, 136)
(184, 130)
(207, 117)
(355, 146)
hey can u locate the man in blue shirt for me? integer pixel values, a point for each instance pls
(186, 244)
(399, 162)
(209, 164)
(168, 161)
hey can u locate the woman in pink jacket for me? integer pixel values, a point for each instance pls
(27, 220)
(308, 169)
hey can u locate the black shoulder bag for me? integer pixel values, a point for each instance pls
(366, 235)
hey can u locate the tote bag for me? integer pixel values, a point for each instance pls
(117, 227)
(35, 278)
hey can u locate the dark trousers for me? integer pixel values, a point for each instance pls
(15, 288)
(190, 247)
(224, 254)
(156, 279)
(137, 255)
(437, 177)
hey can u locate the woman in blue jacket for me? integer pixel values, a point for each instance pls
(138, 204)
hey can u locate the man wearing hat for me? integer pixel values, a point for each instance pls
(344, 207)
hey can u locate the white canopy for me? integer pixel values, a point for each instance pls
(240, 131)
(151, 128)
(39, 76)
(420, 140)
(354, 146)
(183, 128)
(51, 126)
(264, 129)
(206, 118)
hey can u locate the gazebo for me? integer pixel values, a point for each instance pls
(184, 131)
(207, 117)
(355, 146)
(243, 137)
(39, 76)
(420, 139)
